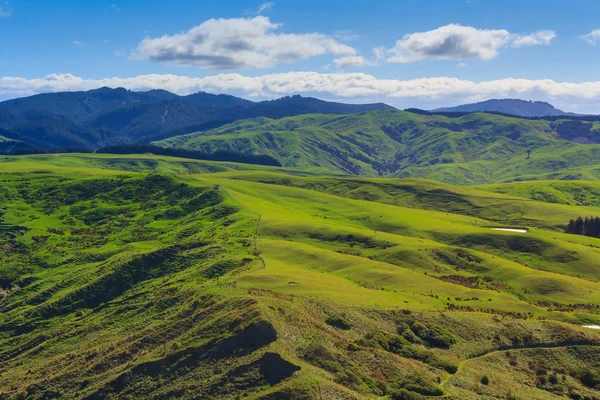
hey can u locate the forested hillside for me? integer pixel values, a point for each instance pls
(474, 148)
(107, 116)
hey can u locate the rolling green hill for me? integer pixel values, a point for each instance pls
(475, 148)
(155, 277)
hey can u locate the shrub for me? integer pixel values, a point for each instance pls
(419, 328)
(485, 380)
(339, 322)
(353, 347)
(590, 378)
(411, 337)
(402, 327)
(396, 344)
(439, 337)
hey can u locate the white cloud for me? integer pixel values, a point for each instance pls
(379, 53)
(592, 37)
(351, 86)
(461, 64)
(78, 43)
(238, 43)
(345, 35)
(115, 8)
(459, 42)
(265, 6)
(351, 61)
(4, 13)
(119, 53)
(539, 38)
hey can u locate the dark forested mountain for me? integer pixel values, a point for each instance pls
(521, 108)
(110, 116)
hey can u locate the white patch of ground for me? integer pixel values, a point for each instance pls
(591, 326)
(511, 230)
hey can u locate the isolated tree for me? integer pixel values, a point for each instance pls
(529, 154)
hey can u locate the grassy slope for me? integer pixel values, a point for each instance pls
(152, 286)
(580, 193)
(476, 148)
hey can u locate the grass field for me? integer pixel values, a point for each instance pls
(154, 277)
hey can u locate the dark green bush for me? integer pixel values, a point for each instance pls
(590, 377)
(439, 337)
(418, 328)
(411, 337)
(339, 322)
(485, 380)
(353, 347)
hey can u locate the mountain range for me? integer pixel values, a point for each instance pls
(107, 116)
(517, 107)
(459, 147)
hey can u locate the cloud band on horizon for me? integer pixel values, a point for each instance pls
(333, 85)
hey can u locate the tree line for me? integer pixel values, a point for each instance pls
(590, 226)
(230, 156)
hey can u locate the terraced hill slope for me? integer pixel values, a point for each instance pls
(475, 148)
(241, 281)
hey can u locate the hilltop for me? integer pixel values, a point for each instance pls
(516, 107)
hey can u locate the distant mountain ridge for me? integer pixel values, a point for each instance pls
(106, 116)
(517, 107)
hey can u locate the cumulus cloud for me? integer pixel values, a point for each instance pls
(459, 42)
(351, 61)
(539, 38)
(238, 43)
(351, 86)
(592, 37)
(265, 6)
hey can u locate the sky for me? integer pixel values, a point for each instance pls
(407, 53)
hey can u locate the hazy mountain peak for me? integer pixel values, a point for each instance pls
(518, 107)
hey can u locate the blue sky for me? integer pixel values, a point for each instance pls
(449, 51)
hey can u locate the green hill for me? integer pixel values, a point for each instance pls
(155, 277)
(475, 148)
